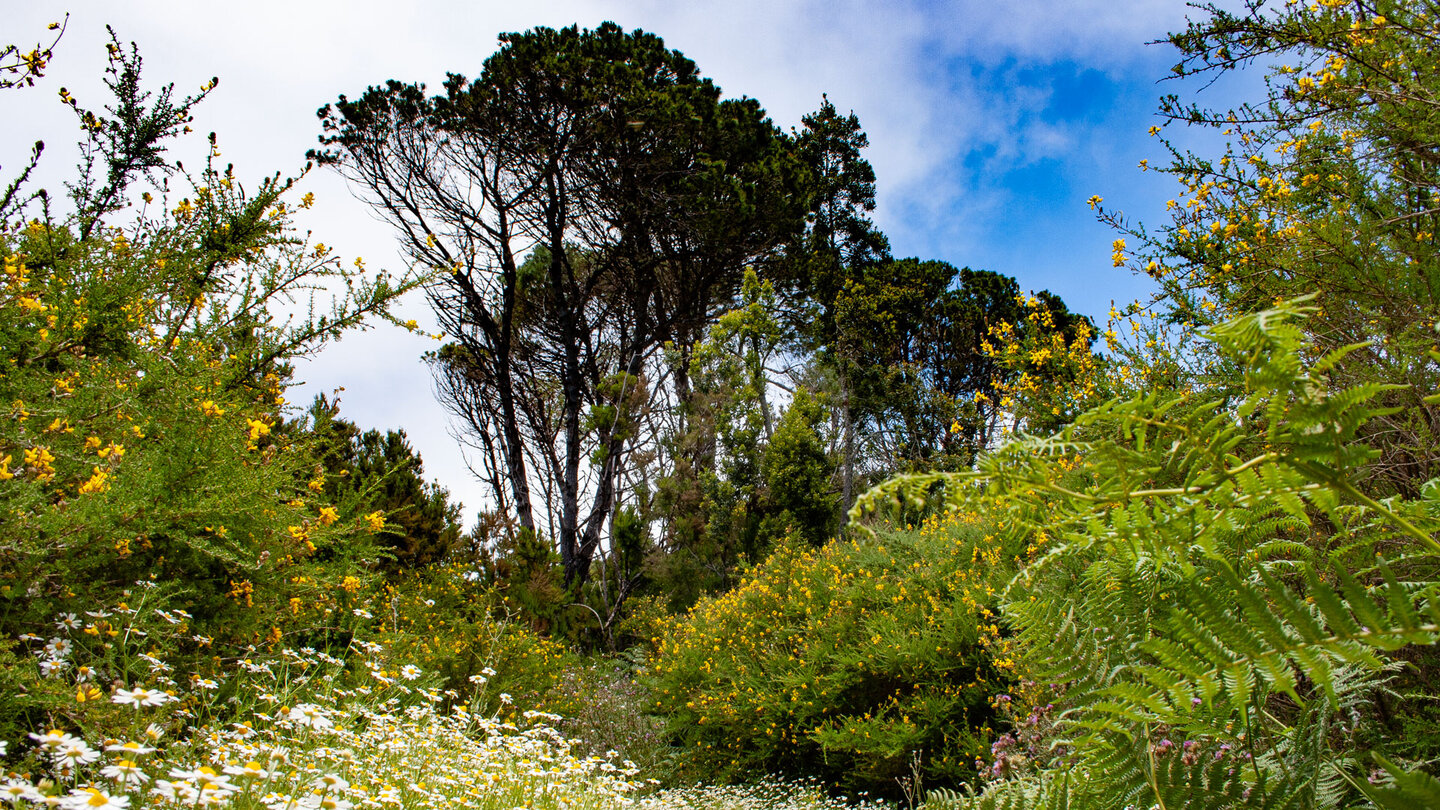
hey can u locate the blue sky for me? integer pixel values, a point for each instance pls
(990, 123)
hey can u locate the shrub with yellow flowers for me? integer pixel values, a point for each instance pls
(849, 662)
(1054, 374)
(144, 349)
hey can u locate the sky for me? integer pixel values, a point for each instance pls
(990, 125)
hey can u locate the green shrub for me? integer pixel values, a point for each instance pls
(144, 461)
(443, 620)
(846, 661)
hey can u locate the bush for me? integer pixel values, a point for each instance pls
(845, 662)
(443, 620)
(144, 462)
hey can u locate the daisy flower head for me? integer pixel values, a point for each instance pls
(410, 672)
(73, 754)
(68, 622)
(54, 738)
(310, 715)
(140, 696)
(130, 749)
(13, 790)
(331, 781)
(125, 772)
(94, 799)
(325, 801)
(58, 648)
(250, 770)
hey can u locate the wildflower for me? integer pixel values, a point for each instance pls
(375, 521)
(328, 515)
(52, 739)
(133, 749)
(73, 754)
(311, 716)
(94, 799)
(250, 770)
(258, 429)
(140, 696)
(58, 648)
(331, 781)
(209, 785)
(68, 622)
(409, 672)
(16, 789)
(125, 772)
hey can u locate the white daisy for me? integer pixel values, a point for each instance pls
(310, 715)
(54, 738)
(132, 749)
(331, 781)
(73, 754)
(58, 648)
(16, 789)
(140, 696)
(94, 799)
(250, 770)
(126, 772)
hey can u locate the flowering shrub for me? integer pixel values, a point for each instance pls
(443, 618)
(845, 662)
(143, 361)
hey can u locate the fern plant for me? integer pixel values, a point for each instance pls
(1220, 602)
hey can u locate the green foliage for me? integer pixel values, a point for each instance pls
(712, 501)
(1220, 599)
(796, 472)
(443, 619)
(845, 661)
(142, 365)
(364, 473)
(1327, 185)
(928, 384)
